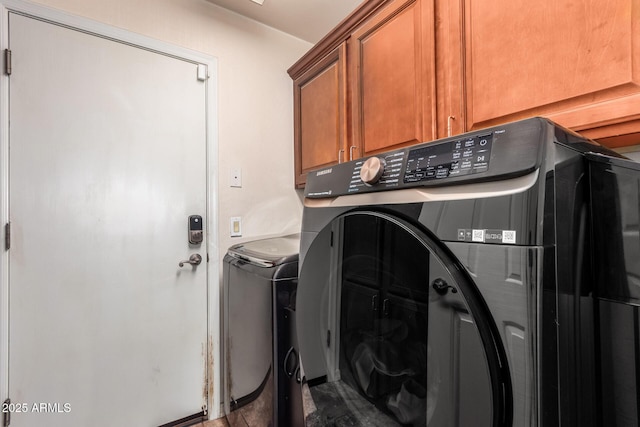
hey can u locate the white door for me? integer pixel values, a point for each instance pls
(107, 161)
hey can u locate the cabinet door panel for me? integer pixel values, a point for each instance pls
(561, 59)
(319, 115)
(360, 309)
(387, 72)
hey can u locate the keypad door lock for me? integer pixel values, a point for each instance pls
(196, 234)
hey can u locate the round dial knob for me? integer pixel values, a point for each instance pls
(372, 170)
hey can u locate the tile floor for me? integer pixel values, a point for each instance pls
(222, 422)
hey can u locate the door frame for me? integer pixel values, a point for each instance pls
(214, 367)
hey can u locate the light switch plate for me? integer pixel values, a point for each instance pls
(236, 226)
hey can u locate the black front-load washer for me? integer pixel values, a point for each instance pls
(450, 284)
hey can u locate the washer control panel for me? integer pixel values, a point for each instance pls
(456, 158)
(501, 152)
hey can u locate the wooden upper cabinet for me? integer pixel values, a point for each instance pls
(391, 79)
(367, 87)
(401, 72)
(319, 115)
(576, 62)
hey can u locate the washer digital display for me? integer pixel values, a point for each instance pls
(449, 159)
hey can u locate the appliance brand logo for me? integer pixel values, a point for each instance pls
(324, 172)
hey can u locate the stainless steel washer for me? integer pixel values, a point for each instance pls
(261, 374)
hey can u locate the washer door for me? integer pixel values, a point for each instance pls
(393, 332)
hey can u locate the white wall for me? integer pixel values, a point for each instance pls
(634, 155)
(631, 152)
(255, 106)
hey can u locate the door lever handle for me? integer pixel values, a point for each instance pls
(194, 259)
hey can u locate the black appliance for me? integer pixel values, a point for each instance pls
(260, 279)
(451, 284)
(616, 262)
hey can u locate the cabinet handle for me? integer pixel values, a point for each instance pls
(351, 152)
(340, 152)
(449, 120)
(374, 303)
(385, 307)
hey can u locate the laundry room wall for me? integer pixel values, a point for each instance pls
(632, 152)
(255, 102)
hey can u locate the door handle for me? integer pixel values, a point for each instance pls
(194, 259)
(442, 287)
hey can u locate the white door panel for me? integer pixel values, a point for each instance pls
(107, 160)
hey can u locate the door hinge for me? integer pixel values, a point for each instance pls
(7, 236)
(6, 416)
(7, 62)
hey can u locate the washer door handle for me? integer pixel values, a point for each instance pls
(298, 376)
(285, 364)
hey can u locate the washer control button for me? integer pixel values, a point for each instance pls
(372, 170)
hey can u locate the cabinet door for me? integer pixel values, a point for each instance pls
(391, 63)
(361, 249)
(319, 115)
(360, 307)
(457, 369)
(574, 62)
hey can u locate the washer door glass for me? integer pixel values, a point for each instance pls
(393, 333)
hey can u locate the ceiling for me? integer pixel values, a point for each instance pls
(309, 20)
